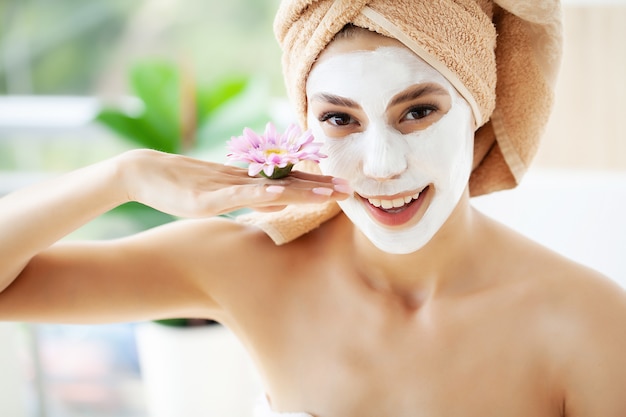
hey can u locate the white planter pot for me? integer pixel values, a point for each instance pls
(195, 372)
(12, 378)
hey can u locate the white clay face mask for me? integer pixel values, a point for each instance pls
(406, 185)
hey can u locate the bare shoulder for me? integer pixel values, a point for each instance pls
(217, 246)
(589, 346)
(238, 264)
(580, 320)
(567, 286)
(535, 264)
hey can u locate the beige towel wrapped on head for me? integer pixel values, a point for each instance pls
(502, 56)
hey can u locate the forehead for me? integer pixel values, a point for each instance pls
(376, 73)
(367, 60)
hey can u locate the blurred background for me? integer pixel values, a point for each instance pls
(83, 81)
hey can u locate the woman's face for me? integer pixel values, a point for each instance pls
(398, 131)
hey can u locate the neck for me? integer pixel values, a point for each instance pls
(442, 265)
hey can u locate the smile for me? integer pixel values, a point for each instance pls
(395, 211)
(395, 203)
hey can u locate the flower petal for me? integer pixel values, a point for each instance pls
(273, 153)
(254, 169)
(268, 170)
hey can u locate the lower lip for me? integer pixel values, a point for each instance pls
(397, 216)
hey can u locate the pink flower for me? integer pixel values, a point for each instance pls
(273, 154)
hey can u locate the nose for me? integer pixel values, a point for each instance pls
(385, 153)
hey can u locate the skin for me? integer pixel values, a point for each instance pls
(479, 322)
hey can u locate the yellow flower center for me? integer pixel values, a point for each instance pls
(277, 151)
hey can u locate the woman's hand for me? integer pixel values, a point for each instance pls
(188, 187)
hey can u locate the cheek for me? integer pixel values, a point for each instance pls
(445, 150)
(446, 145)
(344, 157)
(458, 147)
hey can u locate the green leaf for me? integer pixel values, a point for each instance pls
(157, 84)
(172, 322)
(247, 109)
(185, 322)
(122, 124)
(143, 216)
(137, 130)
(223, 109)
(210, 97)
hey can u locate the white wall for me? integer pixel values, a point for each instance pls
(576, 213)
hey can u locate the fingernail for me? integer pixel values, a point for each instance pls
(339, 181)
(322, 191)
(343, 188)
(275, 189)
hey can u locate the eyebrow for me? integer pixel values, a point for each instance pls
(417, 91)
(411, 93)
(336, 100)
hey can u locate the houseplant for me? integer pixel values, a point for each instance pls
(176, 114)
(189, 366)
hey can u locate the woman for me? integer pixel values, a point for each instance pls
(406, 302)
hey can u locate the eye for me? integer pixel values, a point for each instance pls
(337, 119)
(419, 112)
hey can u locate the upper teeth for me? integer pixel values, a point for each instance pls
(395, 203)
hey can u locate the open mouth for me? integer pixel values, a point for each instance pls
(397, 211)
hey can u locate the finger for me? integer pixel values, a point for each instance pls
(309, 194)
(233, 175)
(260, 196)
(312, 181)
(268, 209)
(317, 177)
(335, 191)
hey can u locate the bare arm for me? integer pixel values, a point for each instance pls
(138, 277)
(34, 218)
(170, 271)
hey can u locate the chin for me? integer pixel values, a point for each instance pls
(396, 240)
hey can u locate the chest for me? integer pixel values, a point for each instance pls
(355, 361)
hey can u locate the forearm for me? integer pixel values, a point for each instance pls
(34, 218)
